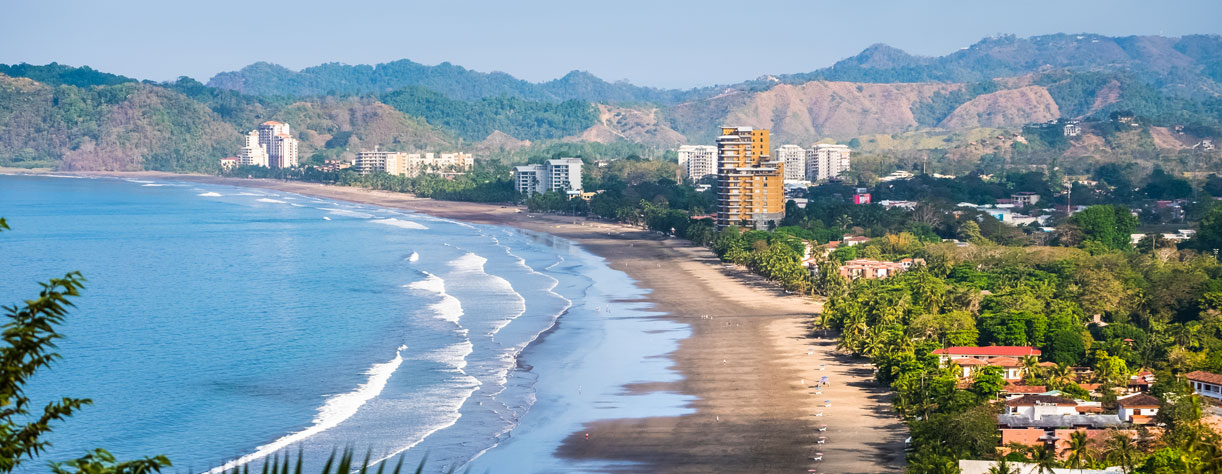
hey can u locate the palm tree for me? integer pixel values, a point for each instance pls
(1003, 467)
(1122, 450)
(1079, 450)
(1060, 375)
(1031, 369)
(1045, 459)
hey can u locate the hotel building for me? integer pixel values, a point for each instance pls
(253, 154)
(563, 175)
(280, 146)
(824, 162)
(750, 184)
(698, 161)
(412, 164)
(794, 158)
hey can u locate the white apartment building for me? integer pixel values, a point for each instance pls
(698, 160)
(412, 164)
(554, 175)
(825, 162)
(794, 158)
(253, 154)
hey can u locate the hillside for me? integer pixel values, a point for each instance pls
(455, 82)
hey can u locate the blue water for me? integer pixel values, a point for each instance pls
(223, 324)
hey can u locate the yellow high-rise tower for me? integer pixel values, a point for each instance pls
(750, 185)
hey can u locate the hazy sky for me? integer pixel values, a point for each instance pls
(655, 42)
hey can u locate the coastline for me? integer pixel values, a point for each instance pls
(744, 363)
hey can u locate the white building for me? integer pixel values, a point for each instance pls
(1072, 129)
(562, 175)
(412, 164)
(794, 158)
(825, 162)
(252, 154)
(698, 160)
(1206, 384)
(278, 143)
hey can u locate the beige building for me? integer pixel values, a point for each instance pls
(824, 162)
(750, 183)
(562, 175)
(278, 143)
(794, 158)
(412, 164)
(252, 154)
(698, 161)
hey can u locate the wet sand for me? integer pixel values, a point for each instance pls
(751, 360)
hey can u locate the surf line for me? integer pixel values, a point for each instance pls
(336, 409)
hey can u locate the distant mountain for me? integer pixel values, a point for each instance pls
(453, 81)
(1189, 66)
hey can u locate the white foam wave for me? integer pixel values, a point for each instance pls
(449, 308)
(334, 411)
(250, 194)
(325, 218)
(131, 180)
(296, 205)
(402, 224)
(276, 201)
(153, 184)
(210, 194)
(346, 212)
(413, 257)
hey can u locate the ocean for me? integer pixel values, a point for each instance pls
(221, 325)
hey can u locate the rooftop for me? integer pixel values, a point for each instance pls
(995, 351)
(1203, 376)
(1032, 399)
(1060, 421)
(1140, 400)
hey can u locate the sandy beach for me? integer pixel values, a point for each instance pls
(750, 362)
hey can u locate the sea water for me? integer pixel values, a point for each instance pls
(221, 325)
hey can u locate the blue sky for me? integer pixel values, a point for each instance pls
(657, 43)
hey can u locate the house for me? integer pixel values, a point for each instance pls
(1050, 420)
(229, 163)
(869, 269)
(955, 353)
(1036, 407)
(1024, 199)
(851, 240)
(971, 466)
(1206, 384)
(1138, 409)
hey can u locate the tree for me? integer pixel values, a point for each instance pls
(1078, 453)
(1045, 459)
(1209, 232)
(1108, 225)
(987, 382)
(1003, 466)
(1120, 449)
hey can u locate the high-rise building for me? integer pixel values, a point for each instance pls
(824, 162)
(389, 162)
(563, 175)
(698, 161)
(794, 158)
(253, 154)
(750, 184)
(278, 143)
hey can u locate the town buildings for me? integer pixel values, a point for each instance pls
(1206, 384)
(563, 175)
(794, 158)
(229, 163)
(750, 183)
(869, 269)
(412, 164)
(698, 161)
(824, 162)
(269, 145)
(1024, 199)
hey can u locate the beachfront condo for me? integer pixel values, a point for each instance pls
(750, 183)
(563, 175)
(794, 158)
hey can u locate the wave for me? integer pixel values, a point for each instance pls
(210, 194)
(402, 224)
(345, 212)
(250, 194)
(449, 308)
(132, 180)
(334, 411)
(276, 201)
(413, 257)
(153, 184)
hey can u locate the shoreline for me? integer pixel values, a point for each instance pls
(749, 363)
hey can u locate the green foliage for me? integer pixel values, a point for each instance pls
(475, 120)
(60, 75)
(1109, 226)
(99, 461)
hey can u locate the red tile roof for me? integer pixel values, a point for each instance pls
(963, 362)
(992, 351)
(1139, 401)
(1005, 362)
(1030, 400)
(1011, 388)
(1203, 376)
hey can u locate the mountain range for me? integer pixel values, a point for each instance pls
(82, 118)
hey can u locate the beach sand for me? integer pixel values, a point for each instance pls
(751, 361)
